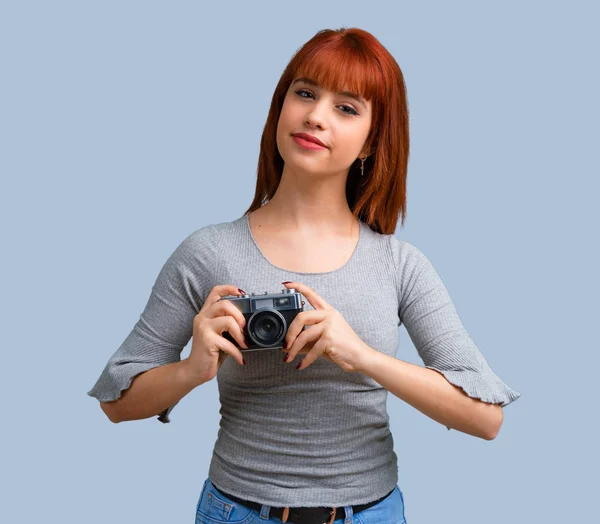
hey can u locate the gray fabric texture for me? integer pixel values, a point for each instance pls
(319, 436)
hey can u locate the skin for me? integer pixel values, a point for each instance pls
(310, 200)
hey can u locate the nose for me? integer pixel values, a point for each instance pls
(316, 116)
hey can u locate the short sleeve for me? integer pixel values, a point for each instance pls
(441, 340)
(164, 327)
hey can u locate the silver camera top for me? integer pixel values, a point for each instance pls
(287, 299)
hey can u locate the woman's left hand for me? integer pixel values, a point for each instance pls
(329, 335)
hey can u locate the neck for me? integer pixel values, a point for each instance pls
(308, 203)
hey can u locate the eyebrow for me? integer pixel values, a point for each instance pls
(349, 94)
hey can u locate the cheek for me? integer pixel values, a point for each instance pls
(280, 133)
(356, 141)
(349, 144)
(291, 116)
(289, 121)
(285, 120)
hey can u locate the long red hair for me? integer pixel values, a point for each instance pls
(351, 58)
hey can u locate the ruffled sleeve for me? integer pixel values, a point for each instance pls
(164, 327)
(441, 340)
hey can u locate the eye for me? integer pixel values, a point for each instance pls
(302, 91)
(352, 110)
(349, 110)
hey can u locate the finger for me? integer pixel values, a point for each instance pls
(225, 307)
(307, 336)
(227, 323)
(228, 348)
(218, 292)
(316, 352)
(312, 296)
(307, 349)
(306, 318)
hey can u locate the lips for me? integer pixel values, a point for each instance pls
(309, 138)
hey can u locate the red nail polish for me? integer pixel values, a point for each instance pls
(241, 291)
(299, 364)
(285, 359)
(288, 282)
(244, 361)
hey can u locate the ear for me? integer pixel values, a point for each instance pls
(367, 150)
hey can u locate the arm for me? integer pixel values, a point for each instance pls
(152, 392)
(457, 385)
(430, 393)
(148, 360)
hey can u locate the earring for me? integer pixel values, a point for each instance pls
(362, 166)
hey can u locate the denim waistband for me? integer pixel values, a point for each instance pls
(305, 515)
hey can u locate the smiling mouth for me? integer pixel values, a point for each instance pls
(307, 144)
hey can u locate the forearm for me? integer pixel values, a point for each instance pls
(430, 393)
(152, 392)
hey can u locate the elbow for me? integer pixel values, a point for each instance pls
(494, 425)
(490, 436)
(110, 410)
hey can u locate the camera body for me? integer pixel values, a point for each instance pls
(268, 317)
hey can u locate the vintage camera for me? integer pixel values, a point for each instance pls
(268, 317)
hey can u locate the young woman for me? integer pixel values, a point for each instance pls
(304, 437)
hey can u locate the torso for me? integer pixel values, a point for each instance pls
(303, 255)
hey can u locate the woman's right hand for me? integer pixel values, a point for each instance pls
(209, 347)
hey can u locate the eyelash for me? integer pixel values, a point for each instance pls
(353, 113)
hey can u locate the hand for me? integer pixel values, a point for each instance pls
(328, 336)
(209, 347)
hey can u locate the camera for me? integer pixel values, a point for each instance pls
(268, 317)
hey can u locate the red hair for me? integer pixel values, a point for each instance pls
(350, 58)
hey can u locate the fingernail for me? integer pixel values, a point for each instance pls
(285, 359)
(285, 344)
(299, 364)
(241, 291)
(244, 361)
(288, 282)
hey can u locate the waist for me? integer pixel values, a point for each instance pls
(343, 483)
(304, 515)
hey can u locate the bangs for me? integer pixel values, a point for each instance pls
(339, 67)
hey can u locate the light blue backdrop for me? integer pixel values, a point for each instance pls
(125, 126)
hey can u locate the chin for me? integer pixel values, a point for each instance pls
(308, 172)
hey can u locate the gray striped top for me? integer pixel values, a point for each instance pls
(319, 436)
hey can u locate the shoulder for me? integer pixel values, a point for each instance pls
(203, 245)
(401, 258)
(405, 253)
(409, 262)
(209, 237)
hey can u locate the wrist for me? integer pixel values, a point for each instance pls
(368, 360)
(188, 375)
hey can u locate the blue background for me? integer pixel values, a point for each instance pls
(125, 126)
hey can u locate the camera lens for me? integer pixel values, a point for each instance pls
(266, 327)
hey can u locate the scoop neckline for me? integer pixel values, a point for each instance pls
(359, 243)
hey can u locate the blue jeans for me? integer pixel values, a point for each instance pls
(215, 508)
